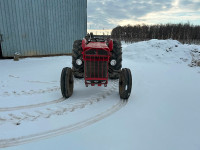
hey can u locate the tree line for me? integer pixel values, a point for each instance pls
(185, 33)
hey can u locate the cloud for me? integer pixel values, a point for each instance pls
(191, 5)
(110, 13)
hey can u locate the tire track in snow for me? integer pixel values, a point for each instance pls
(39, 91)
(68, 128)
(31, 106)
(39, 104)
(48, 112)
(30, 92)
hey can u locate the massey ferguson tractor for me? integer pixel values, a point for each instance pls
(96, 60)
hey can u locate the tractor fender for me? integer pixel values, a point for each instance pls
(110, 44)
(84, 43)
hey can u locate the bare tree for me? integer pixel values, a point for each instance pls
(185, 33)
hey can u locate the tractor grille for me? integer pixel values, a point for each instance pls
(96, 67)
(96, 52)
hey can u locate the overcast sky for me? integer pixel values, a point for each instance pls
(108, 14)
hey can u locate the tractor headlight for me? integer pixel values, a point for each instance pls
(113, 62)
(79, 62)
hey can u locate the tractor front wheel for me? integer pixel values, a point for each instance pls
(125, 83)
(67, 82)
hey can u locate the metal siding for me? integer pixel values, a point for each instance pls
(41, 27)
(1, 18)
(3, 28)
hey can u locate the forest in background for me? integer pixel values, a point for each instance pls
(185, 33)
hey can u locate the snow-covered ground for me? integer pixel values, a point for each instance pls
(162, 112)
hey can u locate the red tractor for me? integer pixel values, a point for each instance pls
(96, 60)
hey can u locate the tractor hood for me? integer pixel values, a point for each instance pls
(97, 45)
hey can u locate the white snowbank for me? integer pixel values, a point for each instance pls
(164, 51)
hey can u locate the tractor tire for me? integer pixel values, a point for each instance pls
(125, 83)
(67, 82)
(77, 54)
(116, 54)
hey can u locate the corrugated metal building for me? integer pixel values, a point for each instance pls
(41, 27)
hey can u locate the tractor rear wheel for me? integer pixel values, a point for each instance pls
(116, 55)
(125, 83)
(67, 82)
(77, 66)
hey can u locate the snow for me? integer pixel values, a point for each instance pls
(162, 111)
